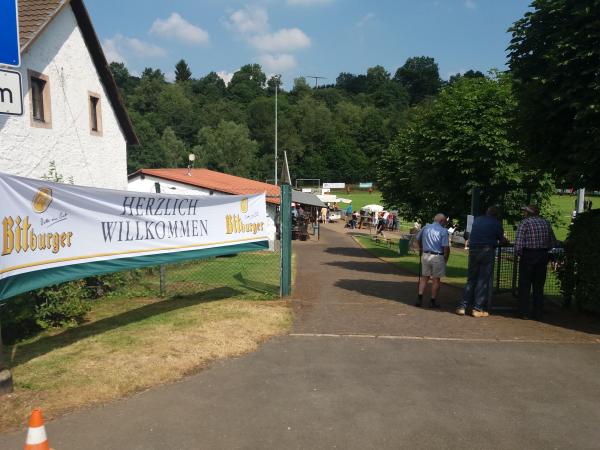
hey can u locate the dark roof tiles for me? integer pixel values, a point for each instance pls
(33, 15)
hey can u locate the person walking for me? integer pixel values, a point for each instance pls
(434, 251)
(534, 239)
(486, 233)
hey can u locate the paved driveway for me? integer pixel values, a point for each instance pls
(363, 369)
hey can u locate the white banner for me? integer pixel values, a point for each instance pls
(334, 185)
(49, 226)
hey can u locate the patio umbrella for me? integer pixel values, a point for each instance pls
(344, 200)
(373, 208)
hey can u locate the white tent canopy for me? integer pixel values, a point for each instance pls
(373, 208)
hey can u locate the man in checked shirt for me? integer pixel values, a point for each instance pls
(534, 238)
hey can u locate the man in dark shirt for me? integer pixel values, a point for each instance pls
(534, 238)
(486, 233)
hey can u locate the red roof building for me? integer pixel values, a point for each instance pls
(205, 179)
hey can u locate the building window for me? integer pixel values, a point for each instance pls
(95, 114)
(39, 93)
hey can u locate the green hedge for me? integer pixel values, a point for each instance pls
(580, 274)
(64, 304)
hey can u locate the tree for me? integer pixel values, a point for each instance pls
(468, 74)
(122, 77)
(247, 83)
(182, 71)
(174, 151)
(459, 141)
(227, 148)
(420, 76)
(555, 63)
(211, 86)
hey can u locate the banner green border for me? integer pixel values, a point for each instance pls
(18, 284)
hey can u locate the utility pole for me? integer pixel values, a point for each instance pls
(276, 89)
(316, 78)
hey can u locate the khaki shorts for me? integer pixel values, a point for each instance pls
(433, 265)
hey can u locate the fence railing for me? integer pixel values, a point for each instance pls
(506, 272)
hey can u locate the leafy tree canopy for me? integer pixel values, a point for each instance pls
(460, 140)
(420, 76)
(555, 61)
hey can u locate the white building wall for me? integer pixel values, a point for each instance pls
(60, 53)
(147, 184)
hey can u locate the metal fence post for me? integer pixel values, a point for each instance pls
(163, 284)
(162, 270)
(286, 240)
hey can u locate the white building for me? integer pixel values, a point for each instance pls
(206, 182)
(73, 113)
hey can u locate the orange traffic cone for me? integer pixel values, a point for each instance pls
(36, 434)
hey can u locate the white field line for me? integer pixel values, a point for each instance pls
(448, 339)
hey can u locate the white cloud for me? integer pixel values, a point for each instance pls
(278, 63)
(118, 46)
(111, 51)
(365, 20)
(176, 27)
(249, 20)
(143, 49)
(470, 4)
(308, 2)
(225, 76)
(170, 76)
(284, 40)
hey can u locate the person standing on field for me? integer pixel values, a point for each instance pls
(486, 233)
(434, 251)
(533, 241)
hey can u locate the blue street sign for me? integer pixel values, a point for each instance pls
(9, 33)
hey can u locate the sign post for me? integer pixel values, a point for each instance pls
(9, 34)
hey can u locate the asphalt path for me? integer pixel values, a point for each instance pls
(364, 369)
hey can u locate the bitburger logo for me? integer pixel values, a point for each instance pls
(234, 224)
(19, 234)
(41, 200)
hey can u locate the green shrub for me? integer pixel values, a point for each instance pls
(17, 317)
(580, 274)
(62, 305)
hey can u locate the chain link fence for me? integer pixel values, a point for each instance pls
(506, 269)
(250, 275)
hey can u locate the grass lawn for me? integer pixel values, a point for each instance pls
(359, 198)
(566, 205)
(456, 271)
(132, 341)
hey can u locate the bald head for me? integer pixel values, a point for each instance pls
(440, 218)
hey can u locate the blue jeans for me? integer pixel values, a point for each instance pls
(479, 281)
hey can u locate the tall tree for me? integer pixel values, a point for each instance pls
(227, 148)
(420, 76)
(459, 141)
(555, 62)
(182, 71)
(247, 83)
(174, 151)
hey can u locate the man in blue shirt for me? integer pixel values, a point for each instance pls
(434, 250)
(486, 233)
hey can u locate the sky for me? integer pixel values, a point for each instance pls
(297, 38)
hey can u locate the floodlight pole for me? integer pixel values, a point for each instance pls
(276, 89)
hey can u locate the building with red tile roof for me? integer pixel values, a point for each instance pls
(209, 181)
